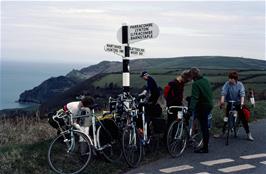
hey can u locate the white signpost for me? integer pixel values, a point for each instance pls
(137, 51)
(139, 32)
(120, 50)
(117, 49)
(130, 34)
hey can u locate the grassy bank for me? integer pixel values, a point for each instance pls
(24, 144)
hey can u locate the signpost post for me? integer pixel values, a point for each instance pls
(131, 34)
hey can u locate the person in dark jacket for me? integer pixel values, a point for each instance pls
(152, 89)
(201, 105)
(153, 93)
(174, 96)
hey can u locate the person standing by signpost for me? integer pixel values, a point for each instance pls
(153, 92)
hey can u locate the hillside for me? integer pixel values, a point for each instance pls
(154, 66)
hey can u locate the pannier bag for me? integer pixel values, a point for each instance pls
(246, 112)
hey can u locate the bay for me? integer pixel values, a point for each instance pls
(16, 77)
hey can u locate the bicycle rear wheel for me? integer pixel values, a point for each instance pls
(108, 137)
(69, 152)
(132, 147)
(176, 139)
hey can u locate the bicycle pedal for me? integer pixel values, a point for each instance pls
(105, 146)
(66, 140)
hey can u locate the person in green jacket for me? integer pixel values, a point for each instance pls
(201, 105)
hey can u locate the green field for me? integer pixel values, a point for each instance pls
(255, 80)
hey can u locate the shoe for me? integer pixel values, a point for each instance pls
(221, 135)
(201, 150)
(250, 138)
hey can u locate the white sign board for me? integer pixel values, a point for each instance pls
(120, 50)
(117, 49)
(139, 32)
(136, 51)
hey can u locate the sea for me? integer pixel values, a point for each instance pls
(16, 77)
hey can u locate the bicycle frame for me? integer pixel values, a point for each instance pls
(144, 123)
(180, 117)
(232, 113)
(93, 139)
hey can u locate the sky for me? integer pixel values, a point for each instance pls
(77, 31)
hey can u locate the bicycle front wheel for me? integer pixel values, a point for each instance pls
(109, 140)
(132, 146)
(176, 139)
(236, 126)
(69, 153)
(230, 127)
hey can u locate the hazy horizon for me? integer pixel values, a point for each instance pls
(76, 32)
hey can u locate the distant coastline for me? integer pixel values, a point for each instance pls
(18, 76)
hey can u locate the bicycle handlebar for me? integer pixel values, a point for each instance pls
(184, 108)
(231, 101)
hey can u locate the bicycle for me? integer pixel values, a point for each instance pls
(233, 122)
(135, 138)
(71, 151)
(180, 132)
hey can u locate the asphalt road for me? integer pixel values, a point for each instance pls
(240, 156)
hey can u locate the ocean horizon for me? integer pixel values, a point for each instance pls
(16, 77)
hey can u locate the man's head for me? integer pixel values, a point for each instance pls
(233, 77)
(186, 76)
(194, 72)
(144, 75)
(87, 101)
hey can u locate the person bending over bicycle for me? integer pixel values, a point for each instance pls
(201, 105)
(75, 108)
(173, 93)
(234, 90)
(153, 93)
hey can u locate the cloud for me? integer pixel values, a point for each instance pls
(201, 16)
(72, 11)
(79, 30)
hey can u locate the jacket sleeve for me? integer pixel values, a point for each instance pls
(194, 97)
(242, 90)
(224, 89)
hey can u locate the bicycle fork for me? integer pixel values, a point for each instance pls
(181, 131)
(70, 142)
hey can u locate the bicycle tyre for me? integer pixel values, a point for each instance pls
(74, 161)
(112, 151)
(196, 137)
(236, 126)
(132, 146)
(176, 139)
(229, 127)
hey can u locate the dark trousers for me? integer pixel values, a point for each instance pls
(240, 115)
(202, 116)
